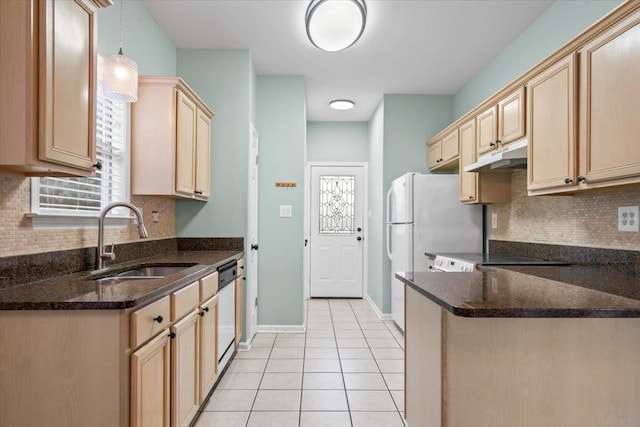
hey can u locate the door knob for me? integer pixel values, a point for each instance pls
(359, 238)
(359, 228)
(254, 247)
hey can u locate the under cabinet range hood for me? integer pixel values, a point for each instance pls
(513, 156)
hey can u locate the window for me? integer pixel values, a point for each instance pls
(86, 196)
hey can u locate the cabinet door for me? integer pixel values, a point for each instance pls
(511, 118)
(450, 147)
(208, 346)
(468, 180)
(239, 306)
(203, 155)
(486, 128)
(184, 370)
(150, 382)
(434, 153)
(609, 103)
(67, 83)
(185, 149)
(551, 127)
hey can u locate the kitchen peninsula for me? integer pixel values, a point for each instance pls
(499, 347)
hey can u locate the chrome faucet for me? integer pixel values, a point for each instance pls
(102, 254)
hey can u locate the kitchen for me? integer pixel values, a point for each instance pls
(550, 220)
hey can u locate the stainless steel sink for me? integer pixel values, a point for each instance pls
(141, 273)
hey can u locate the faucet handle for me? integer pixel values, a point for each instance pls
(109, 255)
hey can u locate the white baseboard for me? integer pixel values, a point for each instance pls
(244, 346)
(281, 328)
(381, 315)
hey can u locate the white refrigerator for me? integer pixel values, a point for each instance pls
(425, 215)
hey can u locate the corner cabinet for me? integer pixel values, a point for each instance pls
(476, 188)
(47, 119)
(170, 140)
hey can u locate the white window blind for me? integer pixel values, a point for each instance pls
(86, 196)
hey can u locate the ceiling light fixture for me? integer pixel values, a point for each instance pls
(334, 25)
(342, 104)
(120, 82)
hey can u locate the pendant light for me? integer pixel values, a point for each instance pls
(334, 25)
(120, 81)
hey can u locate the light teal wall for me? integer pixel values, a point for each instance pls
(142, 40)
(281, 122)
(222, 78)
(377, 254)
(337, 141)
(564, 20)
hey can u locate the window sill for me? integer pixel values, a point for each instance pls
(75, 221)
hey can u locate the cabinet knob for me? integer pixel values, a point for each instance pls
(582, 179)
(201, 314)
(254, 247)
(438, 161)
(206, 309)
(568, 180)
(470, 197)
(197, 192)
(97, 166)
(492, 144)
(158, 319)
(172, 335)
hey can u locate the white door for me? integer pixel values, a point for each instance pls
(252, 261)
(337, 235)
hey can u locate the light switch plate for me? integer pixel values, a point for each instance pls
(628, 218)
(286, 211)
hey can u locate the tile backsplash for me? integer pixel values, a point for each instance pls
(583, 219)
(18, 237)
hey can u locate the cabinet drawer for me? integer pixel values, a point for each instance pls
(184, 300)
(149, 320)
(208, 286)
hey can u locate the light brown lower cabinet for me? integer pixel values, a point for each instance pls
(150, 379)
(110, 368)
(525, 372)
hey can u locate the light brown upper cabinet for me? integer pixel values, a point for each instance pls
(170, 157)
(43, 71)
(502, 123)
(610, 106)
(442, 153)
(551, 127)
(605, 151)
(474, 187)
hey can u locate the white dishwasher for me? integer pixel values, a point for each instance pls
(226, 312)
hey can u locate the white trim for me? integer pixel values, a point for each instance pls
(381, 315)
(306, 269)
(244, 346)
(281, 328)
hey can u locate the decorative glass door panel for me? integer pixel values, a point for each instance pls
(337, 204)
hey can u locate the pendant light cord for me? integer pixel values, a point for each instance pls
(121, 24)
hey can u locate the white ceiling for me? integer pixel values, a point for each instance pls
(408, 46)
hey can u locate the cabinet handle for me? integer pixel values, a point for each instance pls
(158, 319)
(254, 247)
(492, 144)
(498, 142)
(172, 335)
(438, 161)
(98, 166)
(206, 309)
(201, 314)
(470, 197)
(568, 180)
(197, 192)
(582, 179)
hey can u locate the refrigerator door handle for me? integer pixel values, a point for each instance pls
(389, 205)
(389, 241)
(388, 223)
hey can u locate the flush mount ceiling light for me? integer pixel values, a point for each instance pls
(342, 104)
(120, 82)
(334, 25)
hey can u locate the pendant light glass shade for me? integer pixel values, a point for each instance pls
(120, 74)
(334, 25)
(120, 81)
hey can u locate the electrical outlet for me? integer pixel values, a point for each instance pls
(494, 220)
(628, 218)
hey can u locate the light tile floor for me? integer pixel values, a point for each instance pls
(346, 370)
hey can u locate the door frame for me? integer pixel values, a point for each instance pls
(251, 322)
(307, 222)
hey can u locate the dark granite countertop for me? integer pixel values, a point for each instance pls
(77, 291)
(567, 291)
